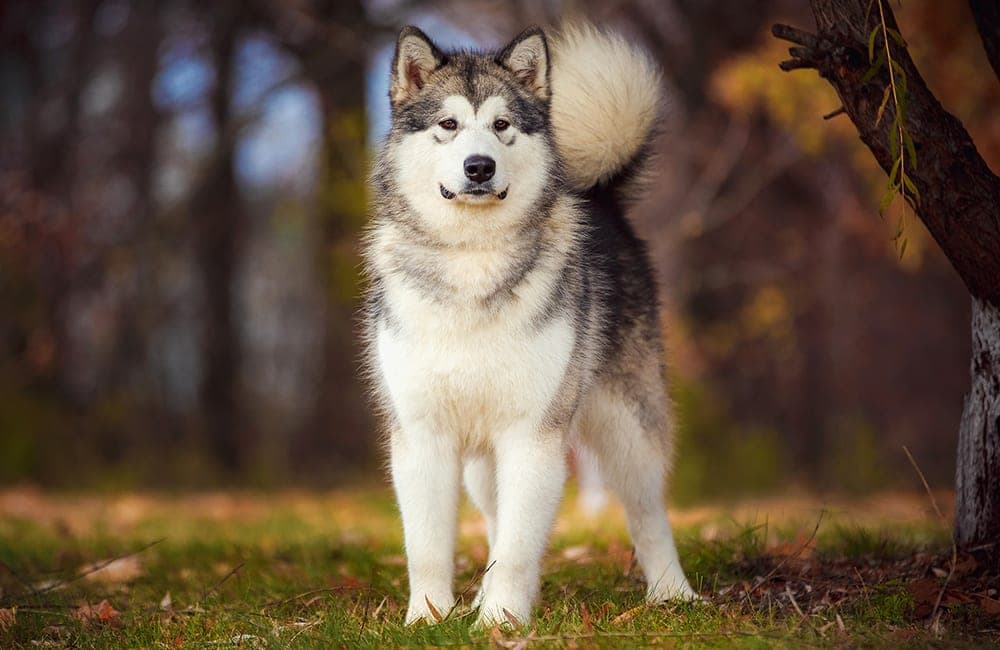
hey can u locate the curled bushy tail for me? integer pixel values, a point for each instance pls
(606, 98)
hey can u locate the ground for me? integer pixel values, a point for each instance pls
(326, 570)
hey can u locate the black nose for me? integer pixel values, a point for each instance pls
(480, 168)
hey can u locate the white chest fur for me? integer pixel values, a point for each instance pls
(454, 360)
(454, 371)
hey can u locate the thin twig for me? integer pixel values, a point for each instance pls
(899, 116)
(476, 577)
(834, 113)
(803, 617)
(24, 583)
(304, 594)
(954, 547)
(791, 598)
(95, 568)
(795, 35)
(792, 556)
(215, 587)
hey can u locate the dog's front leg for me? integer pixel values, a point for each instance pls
(426, 475)
(531, 469)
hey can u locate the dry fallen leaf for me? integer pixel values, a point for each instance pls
(585, 619)
(802, 547)
(628, 614)
(51, 584)
(167, 602)
(100, 614)
(575, 552)
(990, 606)
(925, 594)
(247, 641)
(8, 617)
(113, 572)
(434, 610)
(967, 564)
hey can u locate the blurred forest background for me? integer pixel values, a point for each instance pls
(182, 190)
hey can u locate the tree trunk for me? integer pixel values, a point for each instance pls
(959, 203)
(977, 487)
(219, 227)
(330, 43)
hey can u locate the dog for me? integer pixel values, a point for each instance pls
(511, 310)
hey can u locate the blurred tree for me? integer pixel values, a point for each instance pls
(332, 39)
(953, 192)
(181, 192)
(220, 230)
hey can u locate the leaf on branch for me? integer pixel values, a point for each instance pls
(900, 78)
(886, 201)
(881, 106)
(911, 188)
(910, 149)
(894, 137)
(894, 172)
(871, 42)
(873, 70)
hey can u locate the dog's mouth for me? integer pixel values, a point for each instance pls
(474, 193)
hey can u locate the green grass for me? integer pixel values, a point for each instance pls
(309, 571)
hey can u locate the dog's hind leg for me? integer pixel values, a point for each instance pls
(479, 472)
(632, 447)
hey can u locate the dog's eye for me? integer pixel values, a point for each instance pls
(501, 125)
(448, 125)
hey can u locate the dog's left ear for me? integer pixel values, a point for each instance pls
(527, 56)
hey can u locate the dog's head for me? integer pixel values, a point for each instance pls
(470, 148)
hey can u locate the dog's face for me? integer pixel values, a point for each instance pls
(470, 149)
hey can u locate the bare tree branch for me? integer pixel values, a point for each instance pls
(959, 195)
(987, 15)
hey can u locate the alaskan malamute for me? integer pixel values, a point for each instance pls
(512, 311)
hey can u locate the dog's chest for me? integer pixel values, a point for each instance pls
(466, 371)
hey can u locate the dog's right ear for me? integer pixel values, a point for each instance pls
(416, 58)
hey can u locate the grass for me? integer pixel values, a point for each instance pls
(326, 570)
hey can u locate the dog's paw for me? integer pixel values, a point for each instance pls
(429, 609)
(511, 612)
(502, 617)
(677, 591)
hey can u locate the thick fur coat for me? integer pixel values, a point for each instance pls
(512, 310)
